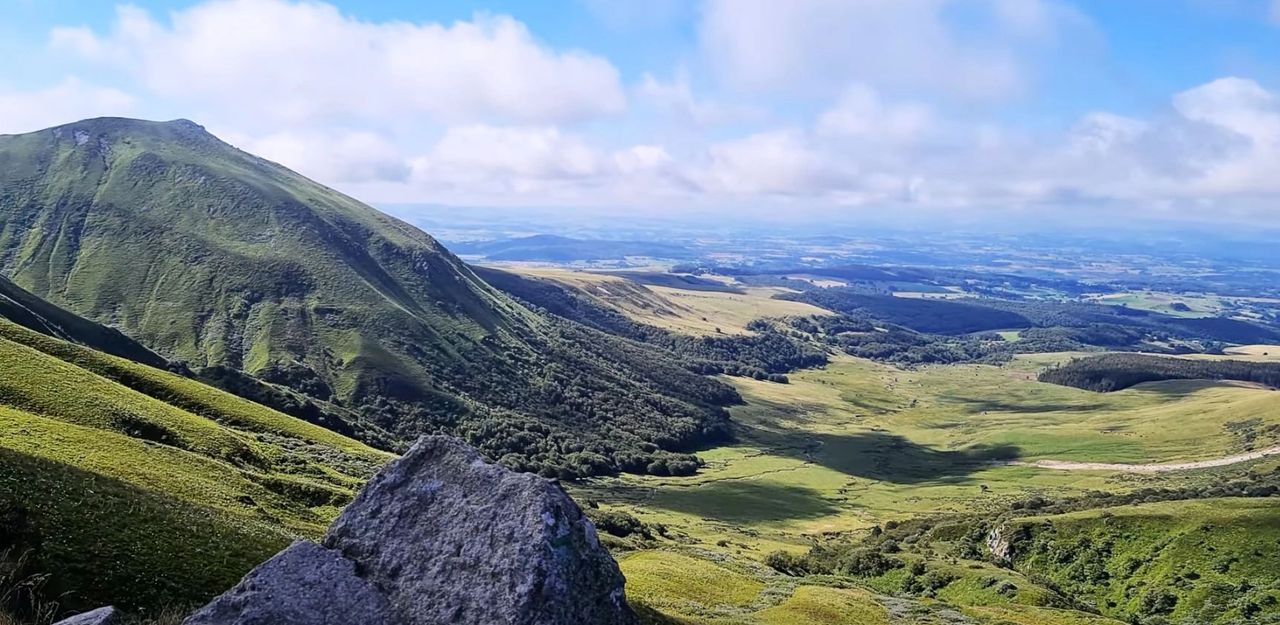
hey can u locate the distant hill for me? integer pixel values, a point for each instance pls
(1115, 372)
(214, 257)
(552, 248)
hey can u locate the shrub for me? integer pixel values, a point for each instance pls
(867, 563)
(786, 563)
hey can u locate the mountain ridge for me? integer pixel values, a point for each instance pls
(214, 257)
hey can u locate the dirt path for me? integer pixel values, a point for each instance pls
(1152, 468)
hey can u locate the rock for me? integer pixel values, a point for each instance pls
(439, 536)
(101, 616)
(999, 546)
(299, 585)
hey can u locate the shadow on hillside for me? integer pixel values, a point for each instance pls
(877, 454)
(871, 454)
(744, 501)
(1170, 390)
(894, 458)
(976, 405)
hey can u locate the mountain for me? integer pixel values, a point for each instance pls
(216, 258)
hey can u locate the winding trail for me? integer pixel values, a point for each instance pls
(1062, 465)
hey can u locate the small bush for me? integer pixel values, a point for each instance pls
(786, 563)
(867, 563)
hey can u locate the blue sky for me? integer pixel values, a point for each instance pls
(1165, 109)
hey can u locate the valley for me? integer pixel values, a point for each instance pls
(855, 446)
(807, 440)
(606, 312)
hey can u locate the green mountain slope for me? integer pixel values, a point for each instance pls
(131, 485)
(212, 256)
(1207, 561)
(25, 309)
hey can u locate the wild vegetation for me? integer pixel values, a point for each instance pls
(1113, 372)
(1144, 557)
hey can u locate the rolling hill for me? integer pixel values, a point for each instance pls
(553, 248)
(27, 310)
(127, 484)
(213, 257)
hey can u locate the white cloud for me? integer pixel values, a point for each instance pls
(335, 157)
(306, 62)
(1233, 103)
(862, 114)
(818, 44)
(69, 100)
(823, 104)
(676, 97)
(779, 162)
(519, 152)
(1214, 153)
(1250, 115)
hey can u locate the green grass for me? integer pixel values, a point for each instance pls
(138, 487)
(693, 312)
(1197, 551)
(1203, 305)
(675, 588)
(816, 605)
(856, 444)
(684, 586)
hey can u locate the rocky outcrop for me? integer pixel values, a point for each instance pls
(439, 536)
(1000, 546)
(101, 616)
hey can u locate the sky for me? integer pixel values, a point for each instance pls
(1089, 110)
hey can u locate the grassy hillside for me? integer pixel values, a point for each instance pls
(671, 587)
(23, 308)
(606, 303)
(860, 457)
(684, 309)
(1206, 561)
(135, 486)
(212, 256)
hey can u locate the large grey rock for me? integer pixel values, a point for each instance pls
(101, 616)
(439, 536)
(301, 584)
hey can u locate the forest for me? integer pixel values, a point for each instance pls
(1113, 372)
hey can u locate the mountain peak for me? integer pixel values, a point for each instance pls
(110, 129)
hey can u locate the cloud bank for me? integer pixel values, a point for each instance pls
(817, 105)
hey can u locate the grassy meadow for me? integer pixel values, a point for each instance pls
(695, 312)
(858, 444)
